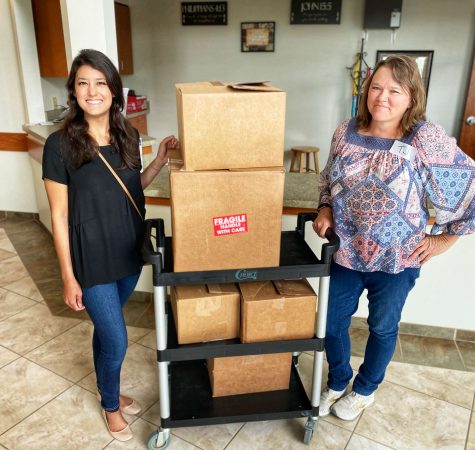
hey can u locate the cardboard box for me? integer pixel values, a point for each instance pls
(136, 103)
(224, 127)
(206, 312)
(275, 310)
(226, 219)
(246, 374)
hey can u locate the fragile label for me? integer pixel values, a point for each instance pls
(234, 224)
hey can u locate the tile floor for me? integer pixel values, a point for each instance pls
(47, 381)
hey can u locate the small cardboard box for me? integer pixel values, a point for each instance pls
(206, 312)
(136, 103)
(275, 310)
(246, 374)
(227, 126)
(226, 219)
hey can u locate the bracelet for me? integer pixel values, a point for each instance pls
(323, 205)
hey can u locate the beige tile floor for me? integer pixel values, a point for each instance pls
(47, 381)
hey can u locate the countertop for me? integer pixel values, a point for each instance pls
(40, 133)
(300, 189)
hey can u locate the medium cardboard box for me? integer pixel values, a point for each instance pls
(275, 310)
(206, 312)
(246, 374)
(226, 219)
(224, 127)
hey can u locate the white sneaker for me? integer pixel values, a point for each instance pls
(352, 405)
(328, 397)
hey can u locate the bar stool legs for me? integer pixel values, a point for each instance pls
(298, 154)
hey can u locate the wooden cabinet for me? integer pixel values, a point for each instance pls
(50, 38)
(139, 122)
(124, 38)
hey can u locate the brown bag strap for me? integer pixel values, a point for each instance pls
(121, 183)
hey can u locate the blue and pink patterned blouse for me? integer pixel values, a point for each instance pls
(379, 198)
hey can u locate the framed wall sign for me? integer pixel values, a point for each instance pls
(423, 60)
(304, 12)
(257, 36)
(204, 13)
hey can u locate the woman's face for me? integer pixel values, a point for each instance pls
(387, 99)
(92, 92)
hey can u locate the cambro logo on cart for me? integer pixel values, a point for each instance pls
(224, 225)
(244, 274)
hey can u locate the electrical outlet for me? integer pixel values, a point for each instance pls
(54, 101)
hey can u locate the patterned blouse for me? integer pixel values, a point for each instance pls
(379, 198)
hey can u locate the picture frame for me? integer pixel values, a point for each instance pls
(423, 60)
(257, 36)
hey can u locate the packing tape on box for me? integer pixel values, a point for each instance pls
(278, 303)
(207, 306)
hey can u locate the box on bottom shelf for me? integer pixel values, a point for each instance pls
(206, 312)
(247, 374)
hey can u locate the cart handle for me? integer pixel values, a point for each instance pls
(149, 255)
(329, 247)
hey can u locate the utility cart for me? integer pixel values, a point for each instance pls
(184, 386)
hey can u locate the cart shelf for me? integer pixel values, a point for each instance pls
(297, 260)
(192, 403)
(184, 386)
(230, 347)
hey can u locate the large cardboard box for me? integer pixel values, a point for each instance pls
(206, 312)
(221, 127)
(246, 374)
(275, 310)
(226, 219)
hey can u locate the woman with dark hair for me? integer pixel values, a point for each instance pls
(97, 225)
(383, 167)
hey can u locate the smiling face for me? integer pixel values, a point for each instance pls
(387, 99)
(92, 93)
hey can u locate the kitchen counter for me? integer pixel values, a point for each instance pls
(40, 133)
(300, 189)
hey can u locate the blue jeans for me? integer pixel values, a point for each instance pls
(104, 303)
(387, 294)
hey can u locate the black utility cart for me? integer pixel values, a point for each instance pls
(184, 386)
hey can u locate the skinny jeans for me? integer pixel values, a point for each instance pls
(104, 303)
(386, 294)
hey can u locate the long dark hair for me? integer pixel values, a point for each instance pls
(406, 73)
(123, 137)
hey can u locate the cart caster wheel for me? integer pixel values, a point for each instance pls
(295, 360)
(309, 429)
(307, 438)
(152, 442)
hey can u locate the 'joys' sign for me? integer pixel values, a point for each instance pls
(234, 224)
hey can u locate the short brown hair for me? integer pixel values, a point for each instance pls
(406, 73)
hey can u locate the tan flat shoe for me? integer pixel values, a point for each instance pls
(122, 435)
(132, 409)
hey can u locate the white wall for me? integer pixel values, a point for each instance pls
(12, 112)
(16, 189)
(309, 60)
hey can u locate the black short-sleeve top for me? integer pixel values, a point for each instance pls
(105, 230)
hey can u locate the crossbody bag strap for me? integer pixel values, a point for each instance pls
(121, 183)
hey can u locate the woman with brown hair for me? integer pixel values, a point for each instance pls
(97, 227)
(383, 167)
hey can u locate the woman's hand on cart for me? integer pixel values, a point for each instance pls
(323, 221)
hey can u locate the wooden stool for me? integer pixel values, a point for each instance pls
(298, 154)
